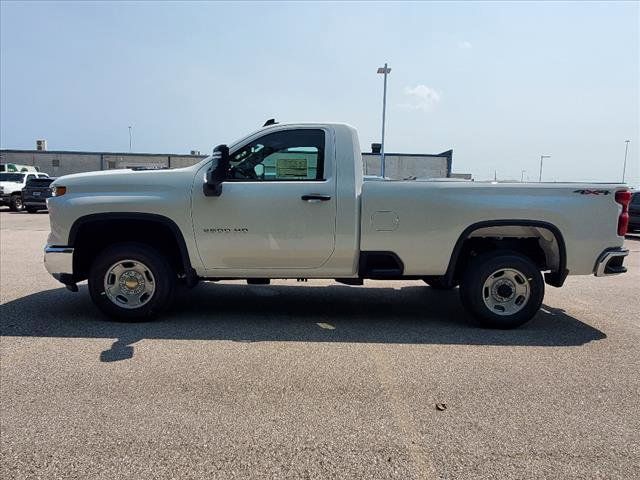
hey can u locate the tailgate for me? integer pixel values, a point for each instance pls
(36, 193)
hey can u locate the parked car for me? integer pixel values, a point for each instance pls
(634, 213)
(290, 201)
(11, 185)
(35, 194)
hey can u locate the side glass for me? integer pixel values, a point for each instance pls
(281, 156)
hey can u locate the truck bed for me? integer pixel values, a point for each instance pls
(396, 213)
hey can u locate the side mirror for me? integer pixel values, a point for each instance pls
(217, 173)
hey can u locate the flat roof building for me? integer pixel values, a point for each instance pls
(64, 162)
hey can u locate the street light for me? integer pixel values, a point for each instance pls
(624, 168)
(385, 71)
(129, 138)
(542, 157)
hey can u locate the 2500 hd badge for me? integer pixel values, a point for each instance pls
(225, 230)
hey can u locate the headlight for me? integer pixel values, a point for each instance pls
(58, 191)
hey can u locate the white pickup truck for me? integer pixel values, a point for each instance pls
(290, 201)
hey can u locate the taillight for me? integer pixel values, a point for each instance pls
(623, 197)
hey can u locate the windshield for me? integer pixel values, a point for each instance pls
(40, 182)
(11, 177)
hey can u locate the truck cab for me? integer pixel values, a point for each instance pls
(289, 204)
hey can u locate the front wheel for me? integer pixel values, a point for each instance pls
(502, 289)
(131, 282)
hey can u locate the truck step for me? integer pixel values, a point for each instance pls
(350, 281)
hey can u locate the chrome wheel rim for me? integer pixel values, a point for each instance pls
(506, 291)
(129, 284)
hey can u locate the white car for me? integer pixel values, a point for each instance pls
(11, 185)
(290, 201)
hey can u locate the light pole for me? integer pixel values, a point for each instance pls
(624, 167)
(522, 176)
(542, 157)
(385, 71)
(129, 138)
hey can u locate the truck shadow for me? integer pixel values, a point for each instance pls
(406, 315)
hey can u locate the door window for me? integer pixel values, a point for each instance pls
(281, 156)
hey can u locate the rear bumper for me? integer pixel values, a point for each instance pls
(611, 262)
(34, 203)
(59, 262)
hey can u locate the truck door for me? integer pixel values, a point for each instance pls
(278, 207)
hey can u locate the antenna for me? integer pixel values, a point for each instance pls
(271, 121)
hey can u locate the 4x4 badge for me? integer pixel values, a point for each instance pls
(592, 192)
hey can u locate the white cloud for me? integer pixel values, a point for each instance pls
(464, 44)
(421, 97)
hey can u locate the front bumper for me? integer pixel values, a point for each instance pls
(611, 262)
(59, 262)
(5, 199)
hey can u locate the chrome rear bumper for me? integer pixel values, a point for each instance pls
(610, 263)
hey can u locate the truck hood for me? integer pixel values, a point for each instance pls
(125, 180)
(102, 175)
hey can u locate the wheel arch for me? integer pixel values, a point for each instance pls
(101, 221)
(494, 228)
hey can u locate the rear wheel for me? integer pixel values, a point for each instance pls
(502, 289)
(15, 203)
(131, 282)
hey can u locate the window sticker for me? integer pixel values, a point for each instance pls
(294, 168)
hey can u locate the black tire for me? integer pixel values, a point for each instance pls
(437, 284)
(15, 203)
(164, 280)
(472, 291)
(32, 210)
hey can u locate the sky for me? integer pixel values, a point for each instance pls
(501, 83)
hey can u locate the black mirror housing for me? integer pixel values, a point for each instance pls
(217, 173)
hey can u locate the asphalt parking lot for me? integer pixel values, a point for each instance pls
(314, 381)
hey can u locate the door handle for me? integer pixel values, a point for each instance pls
(313, 198)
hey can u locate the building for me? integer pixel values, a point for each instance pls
(462, 176)
(59, 162)
(399, 166)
